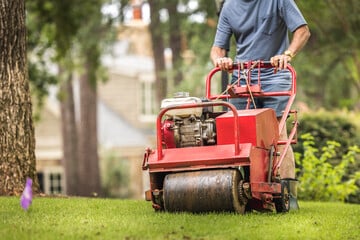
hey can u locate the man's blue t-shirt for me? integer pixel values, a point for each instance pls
(260, 27)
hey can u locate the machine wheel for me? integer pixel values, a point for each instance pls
(282, 204)
(203, 191)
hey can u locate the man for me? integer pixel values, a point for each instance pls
(260, 28)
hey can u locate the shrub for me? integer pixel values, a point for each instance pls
(320, 180)
(334, 126)
(339, 126)
(115, 175)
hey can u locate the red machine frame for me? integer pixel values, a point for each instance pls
(264, 186)
(244, 93)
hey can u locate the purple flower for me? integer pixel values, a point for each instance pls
(26, 196)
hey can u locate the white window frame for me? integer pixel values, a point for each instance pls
(47, 181)
(148, 107)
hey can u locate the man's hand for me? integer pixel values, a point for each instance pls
(300, 37)
(219, 60)
(280, 61)
(224, 63)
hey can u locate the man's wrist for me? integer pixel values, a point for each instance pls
(289, 53)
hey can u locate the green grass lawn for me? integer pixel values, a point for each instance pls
(86, 218)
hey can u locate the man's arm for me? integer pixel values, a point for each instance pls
(300, 37)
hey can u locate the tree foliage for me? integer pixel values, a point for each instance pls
(71, 35)
(187, 30)
(328, 68)
(74, 32)
(330, 65)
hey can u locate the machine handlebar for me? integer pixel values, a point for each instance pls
(253, 65)
(250, 65)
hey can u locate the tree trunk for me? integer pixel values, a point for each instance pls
(17, 138)
(175, 39)
(158, 49)
(69, 135)
(89, 172)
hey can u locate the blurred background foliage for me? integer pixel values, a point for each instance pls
(115, 175)
(328, 67)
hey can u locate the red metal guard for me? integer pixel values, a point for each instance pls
(194, 105)
(291, 93)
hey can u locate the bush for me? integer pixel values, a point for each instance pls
(320, 180)
(342, 127)
(330, 126)
(115, 175)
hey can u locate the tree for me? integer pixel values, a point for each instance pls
(17, 141)
(158, 47)
(175, 38)
(179, 32)
(70, 160)
(332, 60)
(75, 30)
(91, 35)
(52, 27)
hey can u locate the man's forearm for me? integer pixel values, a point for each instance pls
(299, 39)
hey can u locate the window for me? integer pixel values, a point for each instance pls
(148, 106)
(52, 181)
(55, 183)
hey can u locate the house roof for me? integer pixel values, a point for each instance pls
(114, 131)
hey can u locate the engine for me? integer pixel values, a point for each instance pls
(187, 127)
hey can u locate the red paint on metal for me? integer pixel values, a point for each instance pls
(257, 126)
(266, 187)
(194, 105)
(261, 64)
(244, 138)
(168, 134)
(199, 157)
(259, 165)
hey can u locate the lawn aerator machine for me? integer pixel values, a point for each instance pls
(212, 157)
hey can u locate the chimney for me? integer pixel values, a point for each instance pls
(136, 9)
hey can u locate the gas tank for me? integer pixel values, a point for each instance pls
(180, 99)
